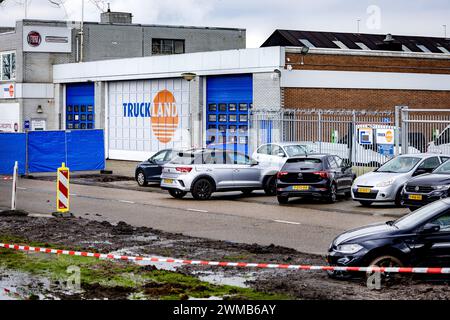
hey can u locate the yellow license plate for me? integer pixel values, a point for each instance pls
(364, 190)
(415, 197)
(300, 188)
(167, 180)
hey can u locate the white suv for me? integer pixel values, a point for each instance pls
(204, 171)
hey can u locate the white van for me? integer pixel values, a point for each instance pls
(442, 143)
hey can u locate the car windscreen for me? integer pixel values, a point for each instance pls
(303, 164)
(399, 165)
(443, 168)
(295, 150)
(420, 216)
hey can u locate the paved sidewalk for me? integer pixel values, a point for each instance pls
(122, 168)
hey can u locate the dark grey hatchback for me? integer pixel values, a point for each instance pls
(150, 170)
(316, 175)
(419, 239)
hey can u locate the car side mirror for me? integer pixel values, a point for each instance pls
(430, 228)
(151, 160)
(418, 172)
(254, 163)
(281, 154)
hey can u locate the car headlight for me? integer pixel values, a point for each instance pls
(385, 183)
(349, 248)
(442, 187)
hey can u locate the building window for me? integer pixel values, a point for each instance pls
(167, 46)
(8, 66)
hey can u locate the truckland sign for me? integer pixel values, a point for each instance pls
(163, 113)
(145, 116)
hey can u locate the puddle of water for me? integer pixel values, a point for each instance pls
(214, 277)
(23, 284)
(221, 278)
(144, 238)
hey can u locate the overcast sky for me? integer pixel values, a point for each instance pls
(259, 17)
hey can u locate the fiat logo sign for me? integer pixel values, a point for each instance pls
(34, 38)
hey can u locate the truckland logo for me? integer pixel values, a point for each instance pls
(163, 114)
(34, 38)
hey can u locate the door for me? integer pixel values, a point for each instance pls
(262, 155)
(337, 172)
(219, 165)
(229, 100)
(153, 168)
(245, 173)
(346, 179)
(434, 248)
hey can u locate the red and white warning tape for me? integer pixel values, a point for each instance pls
(12, 293)
(228, 264)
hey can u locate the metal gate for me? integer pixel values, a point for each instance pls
(425, 130)
(367, 139)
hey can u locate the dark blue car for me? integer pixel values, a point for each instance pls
(150, 170)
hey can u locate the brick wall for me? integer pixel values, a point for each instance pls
(365, 99)
(367, 63)
(362, 99)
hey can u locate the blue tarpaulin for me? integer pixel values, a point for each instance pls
(81, 150)
(46, 150)
(12, 149)
(85, 150)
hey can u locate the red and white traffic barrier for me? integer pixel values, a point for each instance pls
(62, 195)
(227, 264)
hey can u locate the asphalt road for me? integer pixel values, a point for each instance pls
(228, 217)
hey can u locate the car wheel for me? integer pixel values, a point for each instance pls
(247, 192)
(332, 196)
(386, 261)
(177, 194)
(141, 179)
(365, 203)
(202, 189)
(282, 199)
(398, 198)
(270, 188)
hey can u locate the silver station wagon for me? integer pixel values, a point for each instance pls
(203, 172)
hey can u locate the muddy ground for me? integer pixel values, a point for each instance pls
(80, 233)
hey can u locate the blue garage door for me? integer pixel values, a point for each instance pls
(229, 100)
(80, 111)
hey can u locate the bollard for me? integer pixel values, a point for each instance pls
(62, 193)
(14, 187)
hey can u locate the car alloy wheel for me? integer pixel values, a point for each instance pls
(332, 197)
(141, 180)
(271, 186)
(385, 262)
(177, 194)
(282, 199)
(202, 190)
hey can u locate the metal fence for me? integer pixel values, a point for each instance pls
(425, 130)
(367, 139)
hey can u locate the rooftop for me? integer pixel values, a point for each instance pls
(73, 23)
(358, 41)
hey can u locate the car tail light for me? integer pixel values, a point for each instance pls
(184, 169)
(322, 174)
(281, 173)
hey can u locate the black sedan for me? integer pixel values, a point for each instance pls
(318, 175)
(150, 170)
(419, 239)
(428, 188)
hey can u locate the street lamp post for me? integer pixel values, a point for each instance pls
(189, 76)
